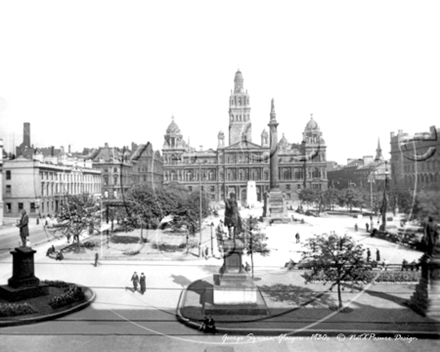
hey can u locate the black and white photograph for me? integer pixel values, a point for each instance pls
(219, 176)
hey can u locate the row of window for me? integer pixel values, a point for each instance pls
(44, 207)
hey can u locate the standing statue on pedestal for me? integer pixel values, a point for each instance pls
(23, 226)
(232, 216)
(431, 238)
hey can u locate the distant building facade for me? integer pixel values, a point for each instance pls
(40, 186)
(228, 168)
(361, 173)
(123, 168)
(1, 181)
(148, 166)
(415, 160)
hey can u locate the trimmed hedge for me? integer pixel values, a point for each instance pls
(56, 283)
(378, 277)
(14, 309)
(72, 294)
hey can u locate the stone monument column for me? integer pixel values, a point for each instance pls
(273, 124)
(275, 207)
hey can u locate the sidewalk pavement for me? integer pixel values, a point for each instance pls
(300, 310)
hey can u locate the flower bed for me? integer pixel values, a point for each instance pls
(14, 309)
(379, 277)
(71, 295)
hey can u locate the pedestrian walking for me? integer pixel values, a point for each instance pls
(206, 252)
(356, 227)
(96, 258)
(142, 283)
(135, 279)
(377, 255)
(367, 226)
(368, 254)
(385, 265)
(297, 237)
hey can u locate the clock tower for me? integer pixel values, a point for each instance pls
(240, 127)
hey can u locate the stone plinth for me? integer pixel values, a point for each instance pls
(233, 286)
(233, 289)
(23, 268)
(276, 207)
(426, 298)
(23, 283)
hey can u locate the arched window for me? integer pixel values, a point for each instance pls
(266, 174)
(115, 179)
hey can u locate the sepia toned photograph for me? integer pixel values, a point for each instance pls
(219, 176)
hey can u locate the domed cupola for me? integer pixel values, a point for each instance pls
(283, 140)
(238, 80)
(312, 125)
(172, 127)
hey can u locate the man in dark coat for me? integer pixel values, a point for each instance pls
(368, 254)
(232, 216)
(377, 255)
(142, 283)
(135, 279)
(23, 226)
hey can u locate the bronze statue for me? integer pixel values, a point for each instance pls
(232, 216)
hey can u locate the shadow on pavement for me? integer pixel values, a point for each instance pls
(181, 280)
(297, 295)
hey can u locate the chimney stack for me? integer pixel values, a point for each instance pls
(26, 134)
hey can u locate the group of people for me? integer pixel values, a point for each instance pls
(208, 324)
(139, 281)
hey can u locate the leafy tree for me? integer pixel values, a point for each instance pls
(427, 203)
(187, 212)
(254, 239)
(145, 207)
(330, 197)
(307, 196)
(335, 258)
(77, 214)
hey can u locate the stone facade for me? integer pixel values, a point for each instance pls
(228, 168)
(365, 173)
(415, 160)
(123, 168)
(40, 186)
(1, 181)
(148, 166)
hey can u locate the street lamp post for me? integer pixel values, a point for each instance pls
(371, 180)
(385, 200)
(200, 218)
(212, 244)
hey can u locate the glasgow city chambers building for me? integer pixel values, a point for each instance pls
(229, 168)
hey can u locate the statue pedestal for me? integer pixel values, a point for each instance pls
(234, 291)
(23, 284)
(276, 210)
(426, 298)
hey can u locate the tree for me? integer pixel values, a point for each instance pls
(187, 212)
(79, 213)
(254, 239)
(334, 259)
(307, 196)
(330, 196)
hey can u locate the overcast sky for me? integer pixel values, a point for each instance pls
(89, 72)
